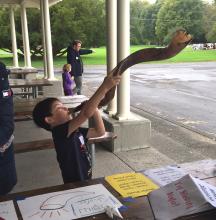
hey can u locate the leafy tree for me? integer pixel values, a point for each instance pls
(176, 14)
(210, 22)
(143, 21)
(138, 23)
(5, 36)
(84, 20)
(78, 20)
(5, 40)
(151, 21)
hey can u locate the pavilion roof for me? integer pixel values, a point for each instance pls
(26, 3)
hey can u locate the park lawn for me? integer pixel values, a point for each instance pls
(190, 55)
(99, 58)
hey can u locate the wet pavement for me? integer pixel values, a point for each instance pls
(180, 93)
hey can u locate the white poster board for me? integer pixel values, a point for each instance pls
(182, 197)
(7, 211)
(69, 204)
(164, 175)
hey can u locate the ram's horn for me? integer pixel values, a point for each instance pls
(179, 41)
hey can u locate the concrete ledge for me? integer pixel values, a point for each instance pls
(131, 134)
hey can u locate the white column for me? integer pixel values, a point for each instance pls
(111, 48)
(43, 40)
(25, 35)
(13, 38)
(48, 40)
(123, 41)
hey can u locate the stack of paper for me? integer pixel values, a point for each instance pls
(182, 197)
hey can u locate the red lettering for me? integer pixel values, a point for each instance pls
(172, 200)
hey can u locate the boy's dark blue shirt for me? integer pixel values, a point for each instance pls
(72, 154)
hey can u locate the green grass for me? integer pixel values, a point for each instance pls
(190, 55)
(99, 58)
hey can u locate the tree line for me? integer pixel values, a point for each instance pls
(86, 20)
(155, 23)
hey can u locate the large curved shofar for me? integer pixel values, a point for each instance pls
(180, 40)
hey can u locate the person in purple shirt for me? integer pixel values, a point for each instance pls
(67, 80)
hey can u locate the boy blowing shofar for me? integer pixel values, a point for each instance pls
(69, 138)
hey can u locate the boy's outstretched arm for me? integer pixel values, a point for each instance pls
(91, 105)
(98, 128)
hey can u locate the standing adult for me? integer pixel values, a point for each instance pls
(8, 176)
(73, 57)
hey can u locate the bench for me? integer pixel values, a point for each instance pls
(108, 136)
(22, 104)
(48, 144)
(29, 85)
(28, 137)
(18, 118)
(25, 107)
(33, 145)
(23, 94)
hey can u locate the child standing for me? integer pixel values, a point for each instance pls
(69, 138)
(67, 80)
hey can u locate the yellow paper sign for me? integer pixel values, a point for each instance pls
(131, 184)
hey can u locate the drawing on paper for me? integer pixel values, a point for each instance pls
(69, 204)
(7, 211)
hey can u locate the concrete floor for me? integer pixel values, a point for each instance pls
(39, 169)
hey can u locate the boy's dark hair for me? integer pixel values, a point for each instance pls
(75, 42)
(43, 110)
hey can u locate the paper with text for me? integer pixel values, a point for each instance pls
(182, 197)
(208, 191)
(131, 184)
(7, 211)
(69, 204)
(164, 175)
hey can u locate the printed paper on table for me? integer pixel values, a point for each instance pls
(7, 211)
(165, 175)
(69, 204)
(182, 197)
(131, 184)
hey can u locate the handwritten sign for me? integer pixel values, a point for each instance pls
(7, 211)
(131, 184)
(184, 196)
(68, 204)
